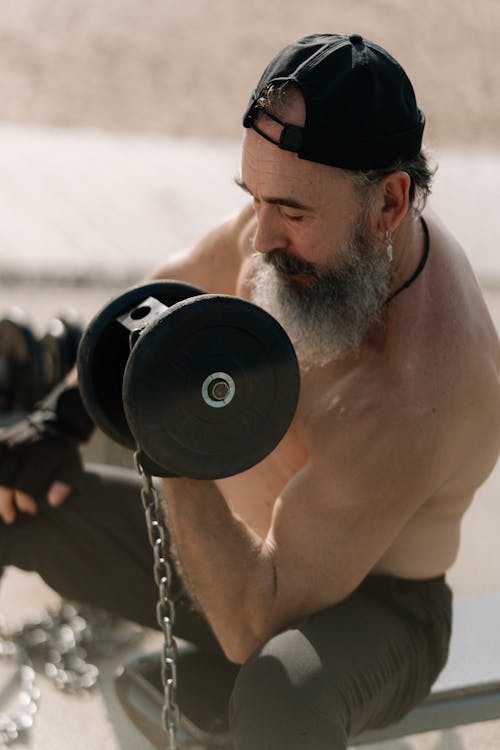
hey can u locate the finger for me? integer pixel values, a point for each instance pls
(69, 469)
(7, 509)
(58, 492)
(26, 503)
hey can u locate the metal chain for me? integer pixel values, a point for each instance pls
(13, 724)
(66, 638)
(63, 640)
(165, 609)
(57, 639)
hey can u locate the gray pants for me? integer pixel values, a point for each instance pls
(358, 665)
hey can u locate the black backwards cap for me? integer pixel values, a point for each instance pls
(361, 111)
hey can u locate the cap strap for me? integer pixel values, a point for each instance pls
(291, 136)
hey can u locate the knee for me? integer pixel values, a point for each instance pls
(280, 700)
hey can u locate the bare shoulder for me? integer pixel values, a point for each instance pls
(454, 295)
(456, 337)
(214, 262)
(464, 350)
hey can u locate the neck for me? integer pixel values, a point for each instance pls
(408, 245)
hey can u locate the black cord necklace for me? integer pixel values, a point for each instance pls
(419, 268)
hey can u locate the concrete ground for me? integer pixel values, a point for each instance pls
(86, 213)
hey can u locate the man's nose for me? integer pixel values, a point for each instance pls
(269, 234)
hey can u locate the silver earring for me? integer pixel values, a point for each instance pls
(388, 245)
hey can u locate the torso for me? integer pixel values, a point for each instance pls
(425, 360)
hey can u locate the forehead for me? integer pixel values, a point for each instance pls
(269, 171)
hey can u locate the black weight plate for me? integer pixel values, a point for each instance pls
(166, 404)
(104, 350)
(21, 372)
(59, 347)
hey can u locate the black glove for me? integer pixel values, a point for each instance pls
(43, 447)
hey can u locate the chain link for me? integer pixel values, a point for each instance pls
(62, 640)
(67, 638)
(13, 724)
(165, 608)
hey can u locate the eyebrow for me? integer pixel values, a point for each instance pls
(282, 201)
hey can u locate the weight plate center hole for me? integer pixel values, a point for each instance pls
(140, 312)
(218, 390)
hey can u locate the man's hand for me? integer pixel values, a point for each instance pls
(13, 500)
(39, 455)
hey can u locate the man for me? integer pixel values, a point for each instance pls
(321, 571)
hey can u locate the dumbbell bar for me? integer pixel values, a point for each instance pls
(29, 367)
(205, 385)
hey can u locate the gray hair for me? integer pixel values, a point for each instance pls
(418, 168)
(275, 98)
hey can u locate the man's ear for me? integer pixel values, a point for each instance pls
(395, 201)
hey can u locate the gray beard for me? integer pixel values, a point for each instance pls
(329, 318)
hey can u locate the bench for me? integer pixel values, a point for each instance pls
(468, 689)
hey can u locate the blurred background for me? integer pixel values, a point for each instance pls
(120, 124)
(186, 69)
(120, 121)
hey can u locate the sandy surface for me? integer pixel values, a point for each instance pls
(188, 68)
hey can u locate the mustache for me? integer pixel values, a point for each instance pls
(289, 264)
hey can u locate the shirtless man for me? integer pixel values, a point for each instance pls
(322, 569)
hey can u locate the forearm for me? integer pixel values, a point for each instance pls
(226, 566)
